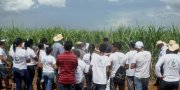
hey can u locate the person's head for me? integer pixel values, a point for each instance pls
(18, 42)
(48, 50)
(116, 46)
(139, 46)
(43, 40)
(79, 45)
(41, 46)
(68, 45)
(58, 37)
(28, 43)
(160, 44)
(91, 48)
(173, 48)
(102, 47)
(105, 39)
(132, 45)
(77, 53)
(171, 42)
(2, 44)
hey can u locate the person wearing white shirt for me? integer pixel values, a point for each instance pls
(171, 65)
(163, 48)
(117, 59)
(49, 66)
(79, 71)
(20, 60)
(87, 58)
(141, 62)
(129, 71)
(3, 63)
(40, 54)
(100, 69)
(31, 66)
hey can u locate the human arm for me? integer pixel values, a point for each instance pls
(158, 66)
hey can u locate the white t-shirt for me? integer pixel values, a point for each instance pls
(80, 71)
(86, 58)
(99, 69)
(48, 61)
(129, 57)
(20, 56)
(143, 61)
(117, 59)
(41, 54)
(171, 65)
(3, 54)
(31, 54)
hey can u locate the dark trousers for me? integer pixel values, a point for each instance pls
(3, 76)
(31, 70)
(66, 87)
(88, 81)
(113, 84)
(20, 75)
(169, 85)
(40, 86)
(99, 86)
(79, 86)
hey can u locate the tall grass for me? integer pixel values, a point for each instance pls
(149, 35)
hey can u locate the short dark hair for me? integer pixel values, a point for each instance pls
(132, 44)
(76, 52)
(1, 43)
(49, 50)
(102, 47)
(105, 39)
(117, 45)
(68, 45)
(40, 46)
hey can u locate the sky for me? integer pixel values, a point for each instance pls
(89, 14)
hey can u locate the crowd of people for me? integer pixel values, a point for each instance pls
(73, 67)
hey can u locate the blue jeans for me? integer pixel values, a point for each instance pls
(88, 81)
(20, 75)
(130, 82)
(48, 79)
(66, 87)
(99, 86)
(141, 83)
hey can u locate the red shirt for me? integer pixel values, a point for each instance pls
(67, 62)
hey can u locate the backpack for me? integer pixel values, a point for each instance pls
(120, 75)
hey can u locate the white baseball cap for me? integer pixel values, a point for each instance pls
(139, 44)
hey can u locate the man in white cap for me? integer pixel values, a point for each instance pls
(57, 46)
(141, 62)
(163, 48)
(171, 65)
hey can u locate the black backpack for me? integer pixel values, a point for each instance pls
(120, 75)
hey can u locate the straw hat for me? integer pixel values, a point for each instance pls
(57, 37)
(159, 42)
(171, 42)
(173, 47)
(79, 43)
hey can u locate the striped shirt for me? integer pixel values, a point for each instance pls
(67, 62)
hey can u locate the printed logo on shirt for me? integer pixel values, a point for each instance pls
(17, 59)
(173, 64)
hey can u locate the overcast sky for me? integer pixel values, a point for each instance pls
(89, 14)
